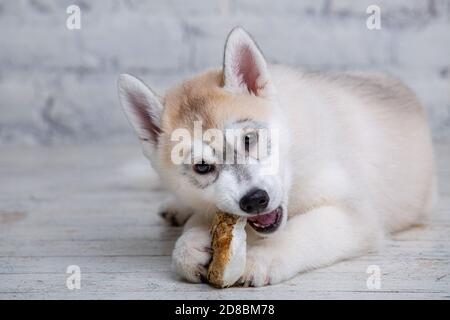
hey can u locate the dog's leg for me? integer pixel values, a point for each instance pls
(314, 239)
(192, 252)
(174, 212)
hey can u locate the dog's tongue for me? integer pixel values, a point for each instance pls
(265, 219)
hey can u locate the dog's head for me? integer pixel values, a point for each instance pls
(219, 139)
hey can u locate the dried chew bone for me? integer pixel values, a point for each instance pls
(228, 245)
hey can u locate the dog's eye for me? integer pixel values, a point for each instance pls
(249, 140)
(203, 168)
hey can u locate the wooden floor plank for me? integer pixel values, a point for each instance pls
(80, 205)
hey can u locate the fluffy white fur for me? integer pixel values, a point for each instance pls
(356, 163)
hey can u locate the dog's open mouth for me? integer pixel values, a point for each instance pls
(266, 222)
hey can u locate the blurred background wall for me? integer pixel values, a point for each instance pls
(59, 85)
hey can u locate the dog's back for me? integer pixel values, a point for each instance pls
(360, 127)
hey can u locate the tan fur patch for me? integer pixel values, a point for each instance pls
(202, 98)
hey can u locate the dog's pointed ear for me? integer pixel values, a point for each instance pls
(142, 108)
(244, 66)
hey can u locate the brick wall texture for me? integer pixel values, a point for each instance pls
(59, 85)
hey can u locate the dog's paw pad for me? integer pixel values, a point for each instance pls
(174, 218)
(171, 218)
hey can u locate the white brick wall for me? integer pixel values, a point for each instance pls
(58, 86)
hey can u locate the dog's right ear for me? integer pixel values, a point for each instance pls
(244, 67)
(142, 108)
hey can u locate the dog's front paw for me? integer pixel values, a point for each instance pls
(262, 268)
(192, 254)
(174, 214)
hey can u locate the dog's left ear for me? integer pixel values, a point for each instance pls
(244, 66)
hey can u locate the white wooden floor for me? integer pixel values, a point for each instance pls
(76, 206)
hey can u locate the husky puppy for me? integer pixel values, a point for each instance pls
(353, 150)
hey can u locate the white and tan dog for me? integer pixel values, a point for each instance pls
(354, 154)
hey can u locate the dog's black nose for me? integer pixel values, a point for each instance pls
(255, 201)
